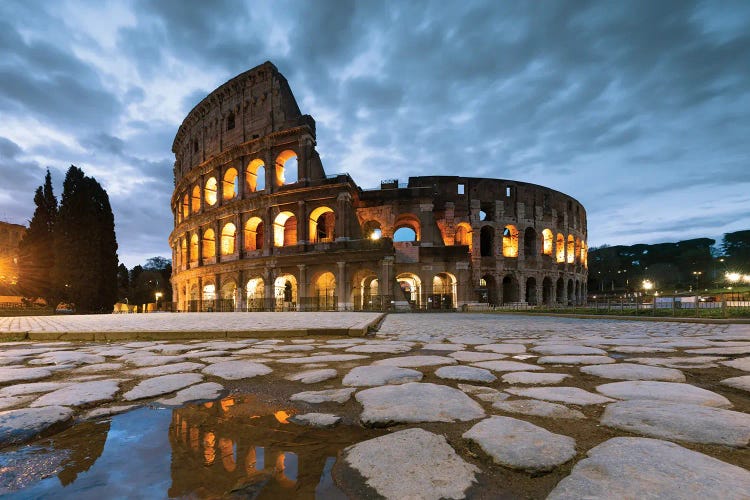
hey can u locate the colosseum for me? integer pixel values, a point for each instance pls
(259, 225)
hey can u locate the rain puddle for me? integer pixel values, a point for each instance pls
(233, 447)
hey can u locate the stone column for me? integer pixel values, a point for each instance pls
(239, 237)
(269, 293)
(269, 230)
(343, 216)
(199, 232)
(200, 294)
(241, 292)
(343, 298)
(302, 223)
(302, 287)
(217, 241)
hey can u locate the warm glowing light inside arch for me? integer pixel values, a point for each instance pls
(463, 235)
(285, 230)
(210, 191)
(322, 222)
(510, 241)
(255, 175)
(571, 253)
(228, 234)
(209, 244)
(255, 289)
(194, 248)
(254, 234)
(560, 248)
(195, 200)
(281, 161)
(547, 242)
(230, 185)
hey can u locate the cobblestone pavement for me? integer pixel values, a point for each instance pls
(532, 406)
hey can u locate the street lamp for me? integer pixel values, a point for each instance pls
(697, 275)
(733, 277)
(158, 295)
(648, 285)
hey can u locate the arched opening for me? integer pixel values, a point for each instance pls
(367, 292)
(487, 291)
(325, 292)
(510, 241)
(255, 175)
(577, 293)
(195, 200)
(571, 297)
(510, 289)
(194, 249)
(253, 234)
(228, 235)
(463, 235)
(285, 230)
(322, 224)
(185, 206)
(443, 291)
(371, 230)
(183, 252)
(547, 292)
(531, 291)
(578, 251)
(584, 255)
(482, 215)
(209, 297)
(285, 293)
(529, 243)
(411, 287)
(208, 244)
(486, 237)
(571, 253)
(407, 228)
(287, 160)
(193, 299)
(255, 290)
(404, 234)
(560, 249)
(228, 297)
(560, 287)
(230, 186)
(547, 242)
(210, 191)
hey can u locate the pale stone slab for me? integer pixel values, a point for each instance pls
(632, 371)
(634, 349)
(680, 361)
(521, 445)
(202, 392)
(324, 420)
(67, 358)
(10, 374)
(414, 361)
(538, 408)
(570, 395)
(150, 359)
(473, 357)
(162, 385)
(294, 348)
(507, 366)
(626, 467)
(78, 394)
(376, 348)
(19, 426)
(326, 358)
(236, 370)
(664, 391)
(97, 368)
(327, 396)
(574, 360)
(153, 371)
(721, 350)
(468, 373)
(677, 421)
(313, 376)
(107, 411)
(484, 393)
(739, 363)
(566, 349)
(443, 347)
(742, 383)
(11, 401)
(416, 402)
(502, 348)
(31, 388)
(530, 378)
(411, 464)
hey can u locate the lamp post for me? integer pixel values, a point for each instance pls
(697, 275)
(158, 295)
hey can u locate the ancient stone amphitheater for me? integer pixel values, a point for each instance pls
(258, 225)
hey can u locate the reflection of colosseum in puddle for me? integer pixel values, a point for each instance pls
(238, 444)
(252, 231)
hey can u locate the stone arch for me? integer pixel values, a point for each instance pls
(194, 248)
(255, 175)
(254, 234)
(584, 255)
(372, 230)
(285, 292)
(281, 165)
(577, 293)
(228, 238)
(487, 291)
(285, 230)
(444, 288)
(209, 291)
(324, 291)
(208, 244)
(185, 210)
(578, 251)
(366, 291)
(529, 243)
(510, 241)
(547, 242)
(570, 253)
(463, 235)
(411, 289)
(486, 241)
(560, 249)
(230, 185)
(255, 290)
(210, 191)
(531, 290)
(560, 288)
(547, 291)
(183, 252)
(570, 295)
(195, 200)
(510, 289)
(322, 224)
(228, 295)
(410, 221)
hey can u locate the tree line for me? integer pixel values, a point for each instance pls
(140, 284)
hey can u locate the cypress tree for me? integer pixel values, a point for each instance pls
(86, 260)
(36, 249)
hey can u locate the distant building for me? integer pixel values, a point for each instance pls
(10, 238)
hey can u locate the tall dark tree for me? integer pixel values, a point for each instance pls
(123, 282)
(85, 243)
(736, 249)
(36, 249)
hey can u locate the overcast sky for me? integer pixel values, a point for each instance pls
(640, 110)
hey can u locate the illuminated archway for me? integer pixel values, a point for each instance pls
(255, 290)
(322, 223)
(255, 175)
(510, 241)
(443, 291)
(372, 230)
(230, 186)
(409, 221)
(571, 253)
(284, 161)
(325, 292)
(463, 235)
(185, 210)
(487, 291)
(411, 287)
(228, 235)
(194, 249)
(285, 230)
(183, 252)
(560, 249)
(578, 251)
(195, 200)
(547, 242)
(285, 293)
(209, 291)
(208, 244)
(367, 291)
(228, 296)
(254, 234)
(210, 191)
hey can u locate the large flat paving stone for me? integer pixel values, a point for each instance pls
(415, 361)
(378, 348)
(632, 371)
(32, 388)
(680, 361)
(574, 360)
(677, 421)
(663, 391)
(67, 358)
(739, 363)
(154, 371)
(521, 445)
(19, 426)
(473, 357)
(742, 383)
(626, 467)
(570, 395)
(198, 392)
(313, 376)
(162, 385)
(468, 373)
(416, 402)
(325, 396)
(363, 376)
(10, 374)
(502, 348)
(96, 391)
(411, 464)
(236, 370)
(323, 420)
(530, 378)
(566, 349)
(323, 358)
(538, 408)
(507, 366)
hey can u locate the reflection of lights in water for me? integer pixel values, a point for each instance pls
(260, 458)
(194, 438)
(282, 416)
(209, 452)
(226, 403)
(208, 405)
(286, 468)
(228, 454)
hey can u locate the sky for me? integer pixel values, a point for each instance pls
(640, 110)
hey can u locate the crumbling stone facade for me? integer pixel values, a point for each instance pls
(260, 226)
(10, 238)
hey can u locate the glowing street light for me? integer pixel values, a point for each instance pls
(158, 295)
(733, 277)
(375, 235)
(648, 285)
